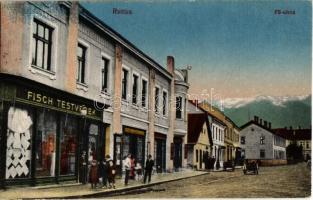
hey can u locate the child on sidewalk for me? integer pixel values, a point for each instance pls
(93, 174)
(138, 169)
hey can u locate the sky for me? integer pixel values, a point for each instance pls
(239, 48)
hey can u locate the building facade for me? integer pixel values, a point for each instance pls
(258, 141)
(300, 136)
(200, 136)
(72, 88)
(218, 135)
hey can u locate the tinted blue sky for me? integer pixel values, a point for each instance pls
(241, 49)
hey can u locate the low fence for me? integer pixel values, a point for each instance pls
(272, 162)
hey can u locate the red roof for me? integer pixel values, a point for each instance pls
(294, 134)
(195, 124)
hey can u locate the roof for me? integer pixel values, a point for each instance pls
(120, 39)
(258, 124)
(195, 124)
(294, 134)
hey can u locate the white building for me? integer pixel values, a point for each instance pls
(259, 141)
(218, 130)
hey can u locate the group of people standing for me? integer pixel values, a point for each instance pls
(209, 162)
(99, 172)
(104, 172)
(134, 170)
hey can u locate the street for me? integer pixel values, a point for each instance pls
(279, 181)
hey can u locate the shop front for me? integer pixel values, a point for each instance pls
(44, 132)
(160, 152)
(131, 141)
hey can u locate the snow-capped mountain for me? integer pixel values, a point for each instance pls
(281, 111)
(275, 100)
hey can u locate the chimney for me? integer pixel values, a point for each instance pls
(261, 121)
(256, 119)
(265, 123)
(170, 64)
(269, 125)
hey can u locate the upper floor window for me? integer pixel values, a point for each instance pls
(144, 93)
(179, 101)
(164, 103)
(262, 138)
(124, 83)
(105, 74)
(41, 45)
(81, 63)
(135, 89)
(156, 106)
(243, 140)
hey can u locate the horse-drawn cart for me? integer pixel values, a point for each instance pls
(251, 166)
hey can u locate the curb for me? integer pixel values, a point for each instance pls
(116, 192)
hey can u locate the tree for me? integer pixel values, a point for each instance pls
(294, 152)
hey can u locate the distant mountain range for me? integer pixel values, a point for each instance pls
(280, 111)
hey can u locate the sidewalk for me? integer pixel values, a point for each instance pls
(75, 190)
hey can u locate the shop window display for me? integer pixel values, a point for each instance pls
(46, 143)
(19, 134)
(68, 144)
(92, 148)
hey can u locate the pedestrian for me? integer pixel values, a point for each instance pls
(138, 169)
(93, 174)
(127, 166)
(83, 168)
(104, 172)
(213, 162)
(111, 172)
(148, 169)
(132, 167)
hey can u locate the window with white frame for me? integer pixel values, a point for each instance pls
(164, 103)
(41, 45)
(105, 74)
(156, 97)
(124, 83)
(262, 138)
(81, 63)
(179, 101)
(144, 89)
(135, 89)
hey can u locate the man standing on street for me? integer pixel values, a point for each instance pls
(127, 165)
(148, 169)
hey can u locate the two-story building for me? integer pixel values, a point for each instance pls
(73, 89)
(301, 137)
(200, 141)
(259, 141)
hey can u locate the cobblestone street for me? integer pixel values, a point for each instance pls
(280, 181)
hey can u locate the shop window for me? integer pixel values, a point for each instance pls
(19, 134)
(144, 94)
(41, 45)
(105, 74)
(45, 143)
(92, 146)
(68, 144)
(124, 83)
(135, 89)
(81, 63)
